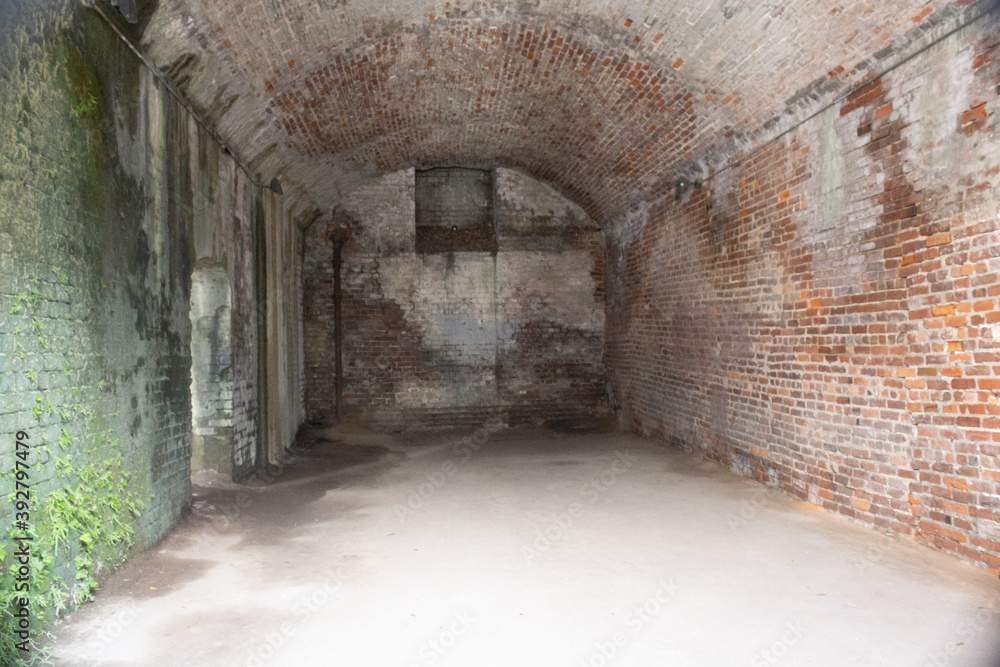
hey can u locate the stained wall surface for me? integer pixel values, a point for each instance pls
(437, 338)
(133, 294)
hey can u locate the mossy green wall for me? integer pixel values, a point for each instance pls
(103, 181)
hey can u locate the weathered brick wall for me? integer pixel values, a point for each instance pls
(224, 311)
(245, 316)
(117, 211)
(445, 338)
(387, 206)
(454, 197)
(283, 254)
(825, 314)
(550, 302)
(246, 215)
(95, 226)
(211, 370)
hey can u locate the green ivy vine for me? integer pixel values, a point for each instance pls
(84, 525)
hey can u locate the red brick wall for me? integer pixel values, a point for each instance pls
(603, 98)
(824, 315)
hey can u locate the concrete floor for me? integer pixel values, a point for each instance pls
(532, 548)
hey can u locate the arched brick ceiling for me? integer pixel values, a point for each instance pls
(603, 99)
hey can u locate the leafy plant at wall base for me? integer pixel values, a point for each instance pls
(9, 654)
(89, 523)
(85, 525)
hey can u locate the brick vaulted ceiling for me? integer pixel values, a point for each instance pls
(608, 100)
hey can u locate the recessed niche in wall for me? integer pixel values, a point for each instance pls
(454, 209)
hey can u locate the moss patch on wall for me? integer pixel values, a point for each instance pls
(95, 271)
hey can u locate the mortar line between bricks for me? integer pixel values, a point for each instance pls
(161, 77)
(850, 91)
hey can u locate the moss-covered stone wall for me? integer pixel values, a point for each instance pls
(111, 198)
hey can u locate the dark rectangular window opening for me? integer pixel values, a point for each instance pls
(455, 210)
